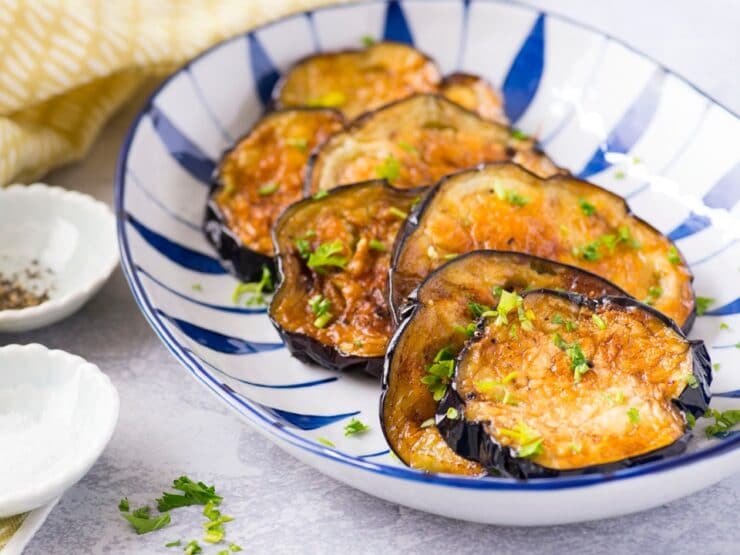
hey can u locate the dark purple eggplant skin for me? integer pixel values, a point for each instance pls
(415, 216)
(470, 440)
(239, 260)
(310, 350)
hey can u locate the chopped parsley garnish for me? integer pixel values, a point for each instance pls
(234, 548)
(570, 325)
(192, 548)
(332, 99)
(703, 304)
(123, 505)
(586, 207)
(452, 413)
(193, 493)
(327, 254)
(634, 415)
(468, 330)
(297, 142)
(175, 543)
(268, 189)
(196, 287)
(304, 247)
(439, 373)
(673, 256)
(324, 441)
(716, 366)
(691, 381)
(578, 362)
(477, 309)
(518, 134)
(506, 397)
(428, 423)
(321, 307)
(143, 523)
(255, 289)
(355, 427)
(398, 213)
(320, 195)
(141, 512)
(407, 147)
(619, 174)
(654, 293)
(690, 420)
(390, 169)
(529, 439)
(723, 421)
(591, 251)
(376, 245)
(598, 321)
(214, 527)
(724, 326)
(367, 41)
(507, 302)
(512, 197)
(557, 319)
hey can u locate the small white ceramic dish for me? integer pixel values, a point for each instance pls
(54, 240)
(57, 414)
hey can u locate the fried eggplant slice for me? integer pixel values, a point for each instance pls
(504, 207)
(554, 383)
(333, 256)
(415, 142)
(261, 175)
(441, 315)
(357, 81)
(475, 94)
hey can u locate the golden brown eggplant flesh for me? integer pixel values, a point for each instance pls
(257, 179)
(556, 384)
(505, 207)
(475, 94)
(357, 81)
(416, 141)
(440, 315)
(333, 255)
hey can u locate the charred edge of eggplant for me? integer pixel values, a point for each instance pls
(412, 222)
(306, 348)
(243, 262)
(360, 120)
(470, 439)
(277, 89)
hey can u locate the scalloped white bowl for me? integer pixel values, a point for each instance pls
(67, 232)
(57, 414)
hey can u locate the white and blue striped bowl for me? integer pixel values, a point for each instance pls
(601, 109)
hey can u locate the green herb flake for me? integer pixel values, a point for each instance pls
(324, 441)
(332, 99)
(214, 535)
(376, 245)
(598, 321)
(724, 326)
(142, 512)
(234, 548)
(690, 420)
(619, 174)
(723, 421)
(703, 304)
(557, 319)
(297, 142)
(428, 423)
(327, 255)
(407, 147)
(518, 134)
(193, 493)
(586, 207)
(144, 524)
(398, 213)
(355, 427)
(439, 373)
(691, 381)
(196, 287)
(175, 543)
(634, 415)
(123, 505)
(528, 439)
(476, 309)
(389, 169)
(509, 195)
(321, 307)
(654, 293)
(256, 290)
(192, 548)
(570, 325)
(716, 366)
(452, 413)
(367, 41)
(320, 195)
(578, 362)
(268, 189)
(673, 256)
(467, 331)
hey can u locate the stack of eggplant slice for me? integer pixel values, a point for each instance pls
(527, 324)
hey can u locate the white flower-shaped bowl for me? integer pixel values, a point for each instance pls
(57, 414)
(67, 237)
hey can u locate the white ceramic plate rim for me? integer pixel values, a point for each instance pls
(47, 488)
(254, 417)
(84, 289)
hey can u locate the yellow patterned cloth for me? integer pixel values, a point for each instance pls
(67, 65)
